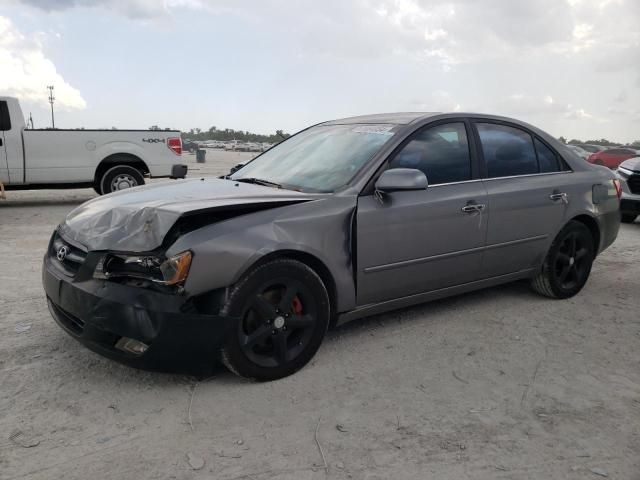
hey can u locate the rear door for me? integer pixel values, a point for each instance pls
(528, 192)
(418, 241)
(5, 126)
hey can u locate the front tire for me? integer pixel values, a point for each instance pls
(120, 177)
(282, 311)
(628, 217)
(568, 263)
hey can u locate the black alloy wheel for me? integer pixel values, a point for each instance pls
(572, 263)
(282, 313)
(568, 263)
(278, 324)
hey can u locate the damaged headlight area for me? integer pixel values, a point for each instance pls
(170, 271)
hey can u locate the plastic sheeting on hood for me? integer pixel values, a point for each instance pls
(137, 220)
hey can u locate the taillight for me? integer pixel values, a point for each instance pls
(175, 144)
(616, 183)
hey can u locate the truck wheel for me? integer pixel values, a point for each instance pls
(281, 313)
(120, 177)
(628, 217)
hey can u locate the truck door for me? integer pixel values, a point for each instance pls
(5, 126)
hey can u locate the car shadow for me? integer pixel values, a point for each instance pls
(46, 198)
(43, 203)
(103, 369)
(418, 313)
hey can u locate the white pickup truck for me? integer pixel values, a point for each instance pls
(107, 160)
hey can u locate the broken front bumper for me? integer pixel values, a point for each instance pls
(100, 314)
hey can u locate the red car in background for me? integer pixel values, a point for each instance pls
(612, 157)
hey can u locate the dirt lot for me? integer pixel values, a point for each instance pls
(498, 384)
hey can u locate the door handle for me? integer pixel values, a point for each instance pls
(555, 196)
(473, 207)
(0, 142)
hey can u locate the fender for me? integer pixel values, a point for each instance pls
(222, 256)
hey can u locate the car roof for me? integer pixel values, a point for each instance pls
(398, 118)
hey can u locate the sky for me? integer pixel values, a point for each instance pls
(571, 67)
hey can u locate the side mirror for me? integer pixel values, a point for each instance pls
(399, 179)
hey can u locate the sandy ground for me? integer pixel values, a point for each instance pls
(498, 384)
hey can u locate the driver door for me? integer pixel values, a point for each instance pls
(412, 242)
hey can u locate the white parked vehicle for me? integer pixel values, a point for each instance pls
(107, 160)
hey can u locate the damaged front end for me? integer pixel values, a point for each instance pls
(112, 284)
(131, 308)
(141, 276)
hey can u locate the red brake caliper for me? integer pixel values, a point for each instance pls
(296, 306)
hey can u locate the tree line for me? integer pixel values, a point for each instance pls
(602, 142)
(230, 134)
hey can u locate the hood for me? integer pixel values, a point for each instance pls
(632, 164)
(137, 220)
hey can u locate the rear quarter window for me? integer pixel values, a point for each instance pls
(547, 159)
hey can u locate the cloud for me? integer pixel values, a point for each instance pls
(552, 62)
(449, 32)
(26, 71)
(129, 8)
(438, 101)
(578, 114)
(523, 104)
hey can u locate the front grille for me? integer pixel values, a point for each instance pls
(634, 183)
(67, 256)
(69, 322)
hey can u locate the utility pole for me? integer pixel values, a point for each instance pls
(51, 100)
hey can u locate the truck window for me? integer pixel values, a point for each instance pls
(5, 121)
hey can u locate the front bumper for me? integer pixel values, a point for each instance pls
(630, 203)
(98, 313)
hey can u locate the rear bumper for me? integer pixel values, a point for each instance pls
(609, 224)
(99, 313)
(179, 171)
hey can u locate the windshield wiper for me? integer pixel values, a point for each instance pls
(258, 181)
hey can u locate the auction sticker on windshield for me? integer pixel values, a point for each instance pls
(379, 129)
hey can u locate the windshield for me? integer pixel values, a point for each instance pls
(319, 159)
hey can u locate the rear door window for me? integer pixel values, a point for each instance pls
(508, 151)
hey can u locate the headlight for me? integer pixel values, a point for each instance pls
(175, 269)
(172, 271)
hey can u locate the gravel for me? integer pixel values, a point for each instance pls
(495, 384)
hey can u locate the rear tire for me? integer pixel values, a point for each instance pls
(120, 177)
(628, 217)
(568, 263)
(282, 311)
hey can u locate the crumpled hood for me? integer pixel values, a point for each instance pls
(137, 220)
(632, 164)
